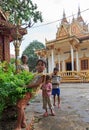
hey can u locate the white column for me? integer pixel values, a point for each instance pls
(72, 58)
(59, 61)
(77, 61)
(49, 65)
(52, 55)
(63, 65)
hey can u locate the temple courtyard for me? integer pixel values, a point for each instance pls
(72, 115)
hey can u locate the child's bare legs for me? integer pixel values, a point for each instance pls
(46, 112)
(52, 112)
(58, 101)
(21, 118)
(23, 123)
(54, 98)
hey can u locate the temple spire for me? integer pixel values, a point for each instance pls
(64, 15)
(64, 20)
(73, 18)
(79, 13)
(79, 17)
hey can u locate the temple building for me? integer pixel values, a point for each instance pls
(69, 51)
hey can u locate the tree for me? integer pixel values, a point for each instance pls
(30, 52)
(21, 10)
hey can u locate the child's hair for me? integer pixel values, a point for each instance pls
(56, 69)
(48, 77)
(24, 56)
(42, 60)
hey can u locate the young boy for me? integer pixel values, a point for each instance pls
(36, 84)
(55, 86)
(46, 95)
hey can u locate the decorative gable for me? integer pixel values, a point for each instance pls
(76, 29)
(61, 33)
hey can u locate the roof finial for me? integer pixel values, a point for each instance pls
(79, 13)
(64, 20)
(64, 15)
(79, 17)
(73, 17)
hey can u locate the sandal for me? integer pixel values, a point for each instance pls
(45, 114)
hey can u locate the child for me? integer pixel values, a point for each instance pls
(55, 86)
(36, 83)
(24, 66)
(46, 94)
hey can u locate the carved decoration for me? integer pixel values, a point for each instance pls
(62, 33)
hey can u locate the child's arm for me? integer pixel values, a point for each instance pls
(36, 84)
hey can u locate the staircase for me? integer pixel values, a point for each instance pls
(74, 77)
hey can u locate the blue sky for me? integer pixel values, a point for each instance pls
(52, 10)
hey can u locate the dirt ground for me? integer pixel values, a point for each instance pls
(73, 114)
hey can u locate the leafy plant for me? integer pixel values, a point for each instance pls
(12, 86)
(21, 10)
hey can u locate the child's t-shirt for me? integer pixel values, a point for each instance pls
(36, 78)
(55, 81)
(46, 89)
(24, 67)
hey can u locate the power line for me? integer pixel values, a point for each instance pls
(58, 20)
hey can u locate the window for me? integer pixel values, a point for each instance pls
(84, 64)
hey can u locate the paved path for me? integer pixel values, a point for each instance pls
(73, 114)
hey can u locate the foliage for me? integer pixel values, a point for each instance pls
(30, 52)
(23, 10)
(12, 86)
(12, 60)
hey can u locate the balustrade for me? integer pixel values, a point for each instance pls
(74, 76)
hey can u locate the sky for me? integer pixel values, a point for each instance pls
(52, 13)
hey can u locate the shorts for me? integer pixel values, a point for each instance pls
(56, 91)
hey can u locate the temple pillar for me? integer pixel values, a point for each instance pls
(72, 55)
(63, 65)
(49, 64)
(59, 58)
(77, 58)
(52, 56)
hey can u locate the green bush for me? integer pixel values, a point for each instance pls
(12, 86)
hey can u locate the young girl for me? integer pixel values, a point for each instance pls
(46, 94)
(36, 83)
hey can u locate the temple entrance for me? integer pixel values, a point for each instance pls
(68, 66)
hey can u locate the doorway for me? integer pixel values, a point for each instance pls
(68, 66)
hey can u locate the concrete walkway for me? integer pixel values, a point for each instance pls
(73, 114)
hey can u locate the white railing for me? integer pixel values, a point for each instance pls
(82, 76)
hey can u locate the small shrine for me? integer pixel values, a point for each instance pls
(8, 33)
